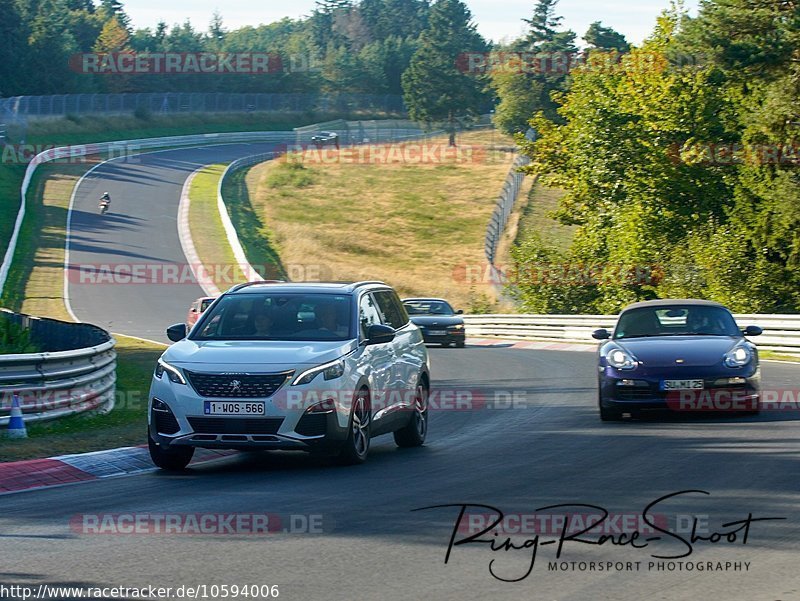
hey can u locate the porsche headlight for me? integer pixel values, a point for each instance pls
(738, 356)
(620, 359)
(329, 371)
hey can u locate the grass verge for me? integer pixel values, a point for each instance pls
(208, 234)
(536, 218)
(10, 184)
(773, 356)
(415, 224)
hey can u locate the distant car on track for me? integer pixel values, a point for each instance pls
(196, 309)
(437, 320)
(325, 138)
(295, 366)
(677, 354)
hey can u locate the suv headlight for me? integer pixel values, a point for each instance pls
(457, 326)
(330, 371)
(173, 373)
(620, 359)
(738, 356)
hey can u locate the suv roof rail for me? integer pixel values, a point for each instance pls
(238, 287)
(367, 283)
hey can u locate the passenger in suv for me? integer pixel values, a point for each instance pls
(309, 366)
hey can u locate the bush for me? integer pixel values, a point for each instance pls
(142, 113)
(479, 303)
(545, 280)
(15, 339)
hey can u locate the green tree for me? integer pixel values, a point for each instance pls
(13, 48)
(113, 9)
(616, 152)
(605, 38)
(434, 88)
(216, 32)
(114, 39)
(526, 85)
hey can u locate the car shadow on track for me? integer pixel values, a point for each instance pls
(657, 416)
(296, 461)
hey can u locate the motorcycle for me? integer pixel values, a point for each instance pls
(103, 205)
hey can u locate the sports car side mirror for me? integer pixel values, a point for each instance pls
(752, 331)
(601, 334)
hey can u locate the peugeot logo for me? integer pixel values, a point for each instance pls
(236, 386)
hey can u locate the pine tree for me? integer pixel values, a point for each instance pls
(544, 23)
(527, 90)
(216, 32)
(605, 38)
(434, 88)
(12, 48)
(113, 9)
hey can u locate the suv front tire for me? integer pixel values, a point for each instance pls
(172, 459)
(356, 447)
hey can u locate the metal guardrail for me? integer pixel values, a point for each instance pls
(781, 332)
(121, 148)
(248, 270)
(76, 371)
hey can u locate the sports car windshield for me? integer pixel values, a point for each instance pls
(680, 320)
(428, 307)
(271, 316)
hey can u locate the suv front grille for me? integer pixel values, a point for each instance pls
(236, 386)
(235, 425)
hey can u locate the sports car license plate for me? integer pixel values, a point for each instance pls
(233, 408)
(437, 332)
(682, 385)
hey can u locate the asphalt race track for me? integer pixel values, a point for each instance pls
(540, 444)
(139, 232)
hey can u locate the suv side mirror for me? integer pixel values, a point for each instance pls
(379, 334)
(177, 332)
(460, 312)
(752, 331)
(601, 334)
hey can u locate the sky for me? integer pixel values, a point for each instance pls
(496, 19)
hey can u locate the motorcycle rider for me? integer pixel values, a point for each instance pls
(105, 201)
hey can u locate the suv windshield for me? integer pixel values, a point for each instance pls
(272, 316)
(428, 307)
(680, 320)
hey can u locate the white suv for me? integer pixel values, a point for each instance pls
(307, 366)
